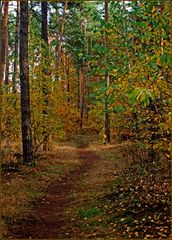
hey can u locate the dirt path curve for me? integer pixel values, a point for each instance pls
(47, 220)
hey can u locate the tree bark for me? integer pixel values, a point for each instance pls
(81, 96)
(16, 48)
(107, 114)
(59, 46)
(4, 45)
(1, 76)
(6, 42)
(44, 34)
(68, 78)
(44, 9)
(1, 49)
(78, 88)
(24, 84)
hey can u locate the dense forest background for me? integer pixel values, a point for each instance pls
(94, 67)
(85, 119)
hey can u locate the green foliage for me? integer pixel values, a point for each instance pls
(10, 125)
(90, 212)
(137, 59)
(141, 95)
(166, 60)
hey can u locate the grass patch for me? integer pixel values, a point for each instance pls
(89, 212)
(54, 169)
(118, 181)
(34, 194)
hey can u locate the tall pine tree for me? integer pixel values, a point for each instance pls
(24, 85)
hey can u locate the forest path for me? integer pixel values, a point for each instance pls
(105, 194)
(48, 219)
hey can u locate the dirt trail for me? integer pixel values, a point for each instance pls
(47, 220)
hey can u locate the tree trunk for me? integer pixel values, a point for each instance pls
(68, 76)
(1, 65)
(44, 9)
(16, 47)
(6, 4)
(2, 46)
(81, 96)
(24, 84)
(78, 88)
(86, 69)
(59, 46)
(124, 34)
(31, 11)
(107, 114)
(1, 49)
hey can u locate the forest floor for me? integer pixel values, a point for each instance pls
(96, 191)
